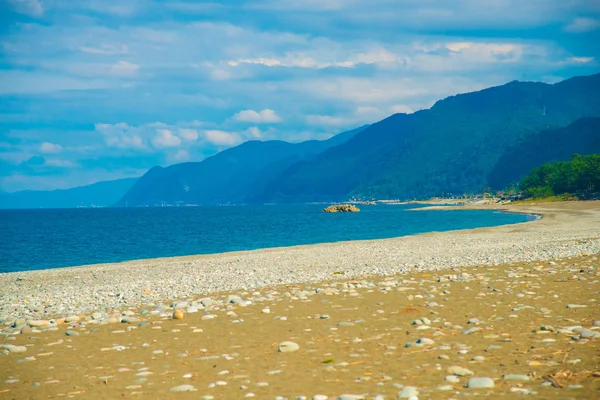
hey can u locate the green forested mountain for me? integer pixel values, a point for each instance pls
(578, 175)
(452, 147)
(547, 146)
(231, 176)
(101, 194)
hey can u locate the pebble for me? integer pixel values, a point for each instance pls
(459, 371)
(71, 333)
(408, 392)
(576, 305)
(178, 314)
(288, 347)
(14, 349)
(184, 388)
(480, 383)
(515, 377)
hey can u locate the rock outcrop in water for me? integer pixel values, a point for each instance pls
(341, 208)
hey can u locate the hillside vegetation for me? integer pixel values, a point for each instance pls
(548, 146)
(580, 175)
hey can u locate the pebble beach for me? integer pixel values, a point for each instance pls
(491, 311)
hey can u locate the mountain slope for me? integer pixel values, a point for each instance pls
(451, 147)
(548, 146)
(101, 194)
(231, 176)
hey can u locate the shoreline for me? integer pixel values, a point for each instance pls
(565, 230)
(433, 207)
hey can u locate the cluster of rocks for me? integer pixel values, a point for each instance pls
(337, 208)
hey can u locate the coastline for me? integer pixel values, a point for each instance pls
(566, 230)
(487, 312)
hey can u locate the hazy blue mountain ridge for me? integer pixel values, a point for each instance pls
(231, 176)
(101, 194)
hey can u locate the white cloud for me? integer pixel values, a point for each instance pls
(221, 138)
(291, 60)
(401, 108)
(58, 163)
(375, 56)
(579, 25)
(105, 50)
(179, 156)
(369, 111)
(264, 116)
(326, 120)
(582, 60)
(188, 134)
(122, 136)
(254, 132)
(487, 52)
(48, 148)
(165, 138)
(32, 8)
(123, 68)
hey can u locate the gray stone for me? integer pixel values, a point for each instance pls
(184, 388)
(233, 299)
(588, 333)
(288, 347)
(71, 333)
(180, 305)
(14, 349)
(207, 302)
(480, 383)
(459, 371)
(38, 323)
(515, 377)
(408, 392)
(425, 341)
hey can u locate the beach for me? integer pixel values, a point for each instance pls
(514, 305)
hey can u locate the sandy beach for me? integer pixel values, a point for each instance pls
(514, 306)
(567, 230)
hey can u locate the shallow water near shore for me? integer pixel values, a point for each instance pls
(41, 239)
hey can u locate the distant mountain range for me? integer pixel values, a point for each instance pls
(464, 143)
(101, 194)
(236, 175)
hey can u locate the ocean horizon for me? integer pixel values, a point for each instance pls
(55, 238)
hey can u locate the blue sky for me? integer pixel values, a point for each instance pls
(104, 89)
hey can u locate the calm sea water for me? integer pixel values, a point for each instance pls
(39, 239)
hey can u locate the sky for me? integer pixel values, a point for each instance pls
(93, 90)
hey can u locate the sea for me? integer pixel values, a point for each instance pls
(55, 238)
